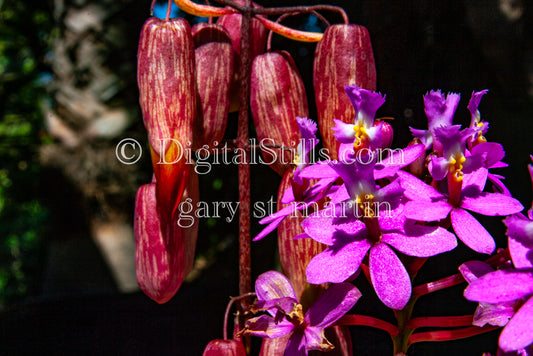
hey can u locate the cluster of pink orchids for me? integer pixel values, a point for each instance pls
(366, 208)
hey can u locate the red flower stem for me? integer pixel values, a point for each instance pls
(228, 308)
(447, 335)
(245, 279)
(152, 5)
(245, 259)
(284, 16)
(457, 278)
(438, 285)
(366, 271)
(365, 320)
(169, 7)
(499, 258)
(415, 265)
(440, 321)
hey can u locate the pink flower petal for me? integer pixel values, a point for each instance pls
(519, 331)
(476, 179)
(415, 189)
(318, 170)
(269, 228)
(327, 225)
(344, 132)
(335, 264)
(472, 270)
(471, 232)
(389, 277)
(521, 254)
(273, 285)
(492, 204)
(422, 241)
(266, 326)
(389, 165)
(296, 345)
(427, 211)
(438, 167)
(501, 286)
(493, 314)
(336, 301)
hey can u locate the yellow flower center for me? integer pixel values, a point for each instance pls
(366, 205)
(296, 160)
(456, 166)
(296, 316)
(360, 134)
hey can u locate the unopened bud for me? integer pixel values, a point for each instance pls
(277, 97)
(344, 56)
(214, 73)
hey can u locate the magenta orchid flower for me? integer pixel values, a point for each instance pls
(486, 313)
(439, 111)
(300, 196)
(505, 287)
(479, 126)
(308, 141)
(362, 133)
(355, 226)
(427, 204)
(454, 161)
(285, 315)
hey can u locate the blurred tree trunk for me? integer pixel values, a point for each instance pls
(95, 105)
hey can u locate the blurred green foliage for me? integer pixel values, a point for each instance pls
(24, 31)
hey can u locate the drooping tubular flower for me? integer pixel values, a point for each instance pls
(362, 133)
(285, 316)
(439, 111)
(370, 219)
(353, 63)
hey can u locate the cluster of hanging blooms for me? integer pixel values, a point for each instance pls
(364, 209)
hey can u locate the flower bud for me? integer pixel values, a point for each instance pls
(224, 348)
(167, 95)
(164, 253)
(214, 73)
(387, 133)
(167, 81)
(277, 97)
(344, 56)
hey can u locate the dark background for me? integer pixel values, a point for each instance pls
(63, 300)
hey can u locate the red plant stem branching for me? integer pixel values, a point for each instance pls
(368, 321)
(439, 321)
(297, 35)
(438, 285)
(288, 9)
(446, 335)
(494, 261)
(228, 308)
